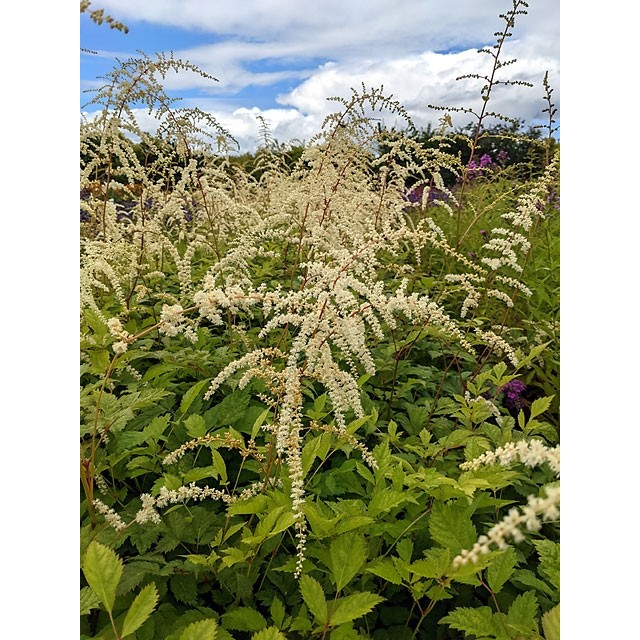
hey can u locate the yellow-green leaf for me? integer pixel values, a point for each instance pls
(313, 596)
(551, 624)
(103, 569)
(88, 600)
(348, 553)
(353, 606)
(271, 633)
(201, 630)
(140, 609)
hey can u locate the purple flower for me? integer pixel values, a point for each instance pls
(512, 394)
(502, 156)
(474, 169)
(485, 160)
(415, 195)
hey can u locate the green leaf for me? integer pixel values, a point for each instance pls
(258, 423)
(527, 578)
(353, 606)
(539, 406)
(477, 621)
(185, 588)
(244, 619)
(230, 410)
(103, 569)
(189, 397)
(195, 425)
(434, 565)
(523, 612)
(256, 504)
(313, 596)
(285, 520)
(271, 633)
(468, 573)
(348, 523)
(549, 567)
(405, 549)
(88, 600)
(385, 569)
(501, 569)
(201, 630)
(347, 553)
(386, 499)
(277, 611)
(156, 427)
(551, 624)
(219, 465)
(451, 526)
(140, 609)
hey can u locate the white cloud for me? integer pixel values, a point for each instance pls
(257, 43)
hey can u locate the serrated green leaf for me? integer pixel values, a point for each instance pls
(266, 523)
(321, 526)
(244, 619)
(184, 588)
(156, 427)
(313, 596)
(201, 630)
(349, 523)
(88, 600)
(189, 397)
(437, 592)
(501, 569)
(256, 504)
(477, 621)
(405, 549)
(551, 624)
(468, 573)
(348, 553)
(199, 473)
(271, 633)
(451, 526)
(539, 406)
(103, 569)
(285, 521)
(384, 500)
(277, 611)
(255, 429)
(527, 578)
(141, 608)
(352, 607)
(195, 426)
(523, 612)
(219, 465)
(549, 567)
(233, 556)
(229, 410)
(385, 569)
(434, 565)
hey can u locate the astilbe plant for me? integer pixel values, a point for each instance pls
(298, 275)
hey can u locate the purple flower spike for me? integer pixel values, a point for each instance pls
(513, 391)
(502, 156)
(485, 160)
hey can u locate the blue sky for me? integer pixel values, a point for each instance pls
(282, 59)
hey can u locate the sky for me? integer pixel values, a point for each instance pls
(282, 59)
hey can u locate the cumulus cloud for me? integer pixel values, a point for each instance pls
(415, 48)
